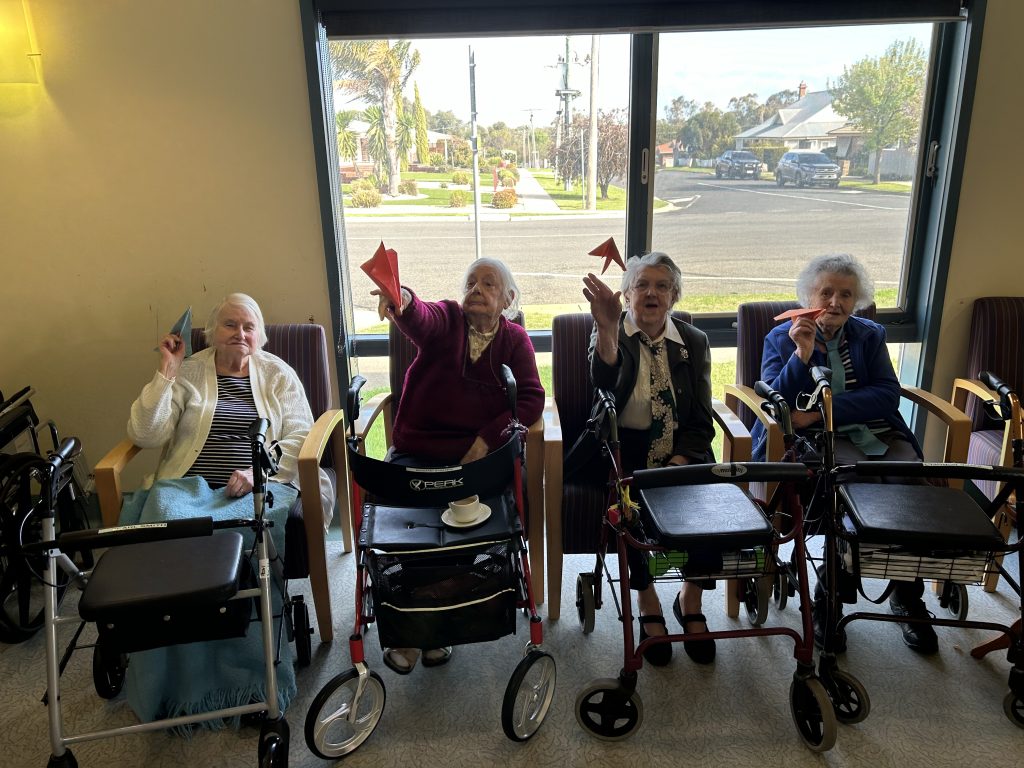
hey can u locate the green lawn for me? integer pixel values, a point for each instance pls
(571, 199)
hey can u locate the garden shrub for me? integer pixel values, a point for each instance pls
(460, 177)
(364, 197)
(458, 198)
(504, 198)
(444, 185)
(507, 178)
(408, 187)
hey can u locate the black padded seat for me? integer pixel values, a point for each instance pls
(161, 593)
(919, 517)
(718, 517)
(401, 529)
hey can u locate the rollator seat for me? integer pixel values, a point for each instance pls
(921, 517)
(718, 517)
(168, 592)
(398, 529)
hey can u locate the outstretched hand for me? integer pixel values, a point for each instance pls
(605, 304)
(386, 308)
(172, 353)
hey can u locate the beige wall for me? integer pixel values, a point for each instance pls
(165, 160)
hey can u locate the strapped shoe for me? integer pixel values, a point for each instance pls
(918, 637)
(657, 655)
(401, 661)
(435, 657)
(701, 651)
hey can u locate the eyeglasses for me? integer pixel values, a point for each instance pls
(662, 288)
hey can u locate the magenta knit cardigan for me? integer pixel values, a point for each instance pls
(446, 400)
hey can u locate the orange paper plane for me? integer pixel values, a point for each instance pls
(795, 313)
(382, 268)
(609, 253)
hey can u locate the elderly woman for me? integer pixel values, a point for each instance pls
(865, 395)
(199, 409)
(454, 409)
(659, 369)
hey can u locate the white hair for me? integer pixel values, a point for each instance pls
(653, 259)
(509, 288)
(834, 264)
(244, 301)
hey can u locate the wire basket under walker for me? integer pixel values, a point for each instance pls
(445, 596)
(889, 561)
(740, 563)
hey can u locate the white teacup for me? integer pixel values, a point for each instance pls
(465, 510)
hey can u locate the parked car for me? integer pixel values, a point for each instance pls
(738, 164)
(807, 167)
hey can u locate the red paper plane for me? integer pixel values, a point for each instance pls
(795, 313)
(609, 253)
(382, 268)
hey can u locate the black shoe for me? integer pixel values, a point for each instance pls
(818, 609)
(657, 655)
(918, 637)
(701, 651)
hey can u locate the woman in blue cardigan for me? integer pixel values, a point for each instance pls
(865, 396)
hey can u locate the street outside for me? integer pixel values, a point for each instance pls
(729, 237)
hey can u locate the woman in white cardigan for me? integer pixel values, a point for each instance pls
(198, 409)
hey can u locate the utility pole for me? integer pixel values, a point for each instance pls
(591, 181)
(476, 159)
(566, 95)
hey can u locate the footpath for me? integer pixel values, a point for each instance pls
(533, 202)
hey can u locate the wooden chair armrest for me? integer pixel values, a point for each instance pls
(958, 424)
(964, 387)
(553, 506)
(552, 425)
(738, 393)
(737, 444)
(107, 474)
(329, 429)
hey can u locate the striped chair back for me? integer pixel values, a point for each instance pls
(996, 345)
(304, 347)
(753, 322)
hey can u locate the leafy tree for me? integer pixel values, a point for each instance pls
(883, 96)
(677, 112)
(747, 110)
(376, 71)
(348, 142)
(711, 131)
(777, 101)
(612, 148)
(445, 121)
(422, 142)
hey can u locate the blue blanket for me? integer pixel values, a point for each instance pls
(201, 677)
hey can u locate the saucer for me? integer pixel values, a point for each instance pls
(447, 519)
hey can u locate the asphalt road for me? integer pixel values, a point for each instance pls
(727, 236)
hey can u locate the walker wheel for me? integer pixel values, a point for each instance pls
(329, 733)
(812, 713)
(849, 697)
(302, 631)
(108, 670)
(528, 695)
(756, 594)
(1014, 709)
(585, 601)
(780, 588)
(273, 748)
(604, 710)
(956, 600)
(67, 760)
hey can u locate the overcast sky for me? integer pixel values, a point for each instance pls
(515, 75)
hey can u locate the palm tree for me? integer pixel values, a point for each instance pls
(347, 139)
(376, 71)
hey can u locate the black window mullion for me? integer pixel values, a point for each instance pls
(643, 87)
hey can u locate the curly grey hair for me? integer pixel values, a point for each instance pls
(834, 264)
(653, 259)
(245, 302)
(508, 284)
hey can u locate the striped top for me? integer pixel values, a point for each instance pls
(228, 446)
(877, 426)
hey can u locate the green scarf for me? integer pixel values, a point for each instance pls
(859, 434)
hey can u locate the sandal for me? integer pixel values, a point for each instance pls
(390, 654)
(701, 651)
(436, 657)
(657, 655)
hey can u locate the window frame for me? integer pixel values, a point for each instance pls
(945, 124)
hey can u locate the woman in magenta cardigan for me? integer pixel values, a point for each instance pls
(454, 408)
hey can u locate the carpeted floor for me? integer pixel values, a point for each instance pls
(945, 710)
